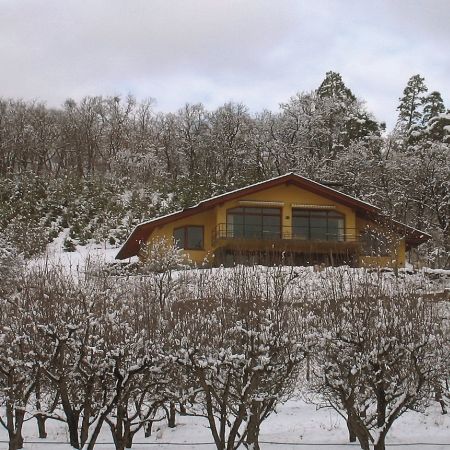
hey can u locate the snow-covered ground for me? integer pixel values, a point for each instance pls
(297, 425)
(76, 260)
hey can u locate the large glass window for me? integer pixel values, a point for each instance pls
(254, 222)
(189, 237)
(317, 225)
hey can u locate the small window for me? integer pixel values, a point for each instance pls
(189, 237)
(178, 236)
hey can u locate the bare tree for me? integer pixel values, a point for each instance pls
(241, 344)
(375, 345)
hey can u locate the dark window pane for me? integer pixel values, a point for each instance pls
(271, 211)
(271, 227)
(178, 236)
(194, 237)
(300, 213)
(255, 223)
(318, 228)
(252, 210)
(300, 227)
(335, 229)
(253, 226)
(235, 225)
(238, 219)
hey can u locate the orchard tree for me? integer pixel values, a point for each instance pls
(375, 344)
(240, 342)
(18, 367)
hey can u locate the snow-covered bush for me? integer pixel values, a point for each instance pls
(86, 342)
(11, 264)
(238, 337)
(376, 348)
(161, 258)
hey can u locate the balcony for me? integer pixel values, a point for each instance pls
(288, 238)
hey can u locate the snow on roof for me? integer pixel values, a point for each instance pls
(215, 197)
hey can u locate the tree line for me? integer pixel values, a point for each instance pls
(141, 162)
(97, 351)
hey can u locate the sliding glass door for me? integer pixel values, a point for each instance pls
(317, 225)
(254, 223)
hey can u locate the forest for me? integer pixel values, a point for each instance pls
(94, 351)
(98, 166)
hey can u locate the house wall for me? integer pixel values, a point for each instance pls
(398, 247)
(206, 219)
(288, 194)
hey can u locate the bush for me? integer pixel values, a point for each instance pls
(69, 245)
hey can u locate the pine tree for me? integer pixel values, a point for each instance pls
(413, 98)
(344, 117)
(433, 106)
(333, 87)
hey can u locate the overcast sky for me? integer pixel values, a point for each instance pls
(255, 51)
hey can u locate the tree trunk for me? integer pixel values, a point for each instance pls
(253, 426)
(15, 431)
(148, 428)
(128, 434)
(41, 426)
(351, 433)
(359, 431)
(39, 417)
(380, 445)
(438, 396)
(72, 418)
(119, 442)
(84, 432)
(129, 440)
(72, 424)
(15, 441)
(172, 414)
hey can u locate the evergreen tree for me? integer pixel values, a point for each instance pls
(344, 116)
(334, 87)
(413, 98)
(438, 128)
(433, 106)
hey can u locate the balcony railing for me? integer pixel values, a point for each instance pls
(292, 233)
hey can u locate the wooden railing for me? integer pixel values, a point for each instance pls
(224, 231)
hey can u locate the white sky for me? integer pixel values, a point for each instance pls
(259, 52)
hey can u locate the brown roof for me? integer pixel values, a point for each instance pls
(142, 231)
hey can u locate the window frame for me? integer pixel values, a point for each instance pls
(244, 213)
(309, 213)
(185, 229)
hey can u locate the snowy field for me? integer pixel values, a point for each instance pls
(297, 425)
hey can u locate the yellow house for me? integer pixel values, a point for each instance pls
(289, 216)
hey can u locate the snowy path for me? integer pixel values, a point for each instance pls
(296, 423)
